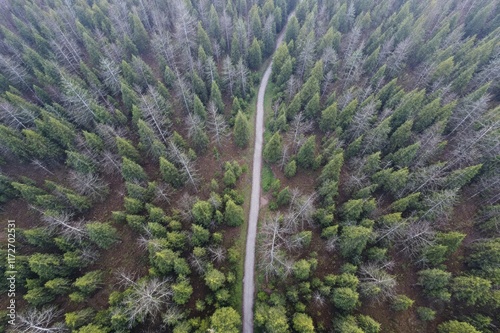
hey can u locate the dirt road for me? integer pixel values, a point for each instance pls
(248, 279)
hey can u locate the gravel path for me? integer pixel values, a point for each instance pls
(248, 279)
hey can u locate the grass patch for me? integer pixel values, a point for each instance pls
(267, 177)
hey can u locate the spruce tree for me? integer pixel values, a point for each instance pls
(241, 130)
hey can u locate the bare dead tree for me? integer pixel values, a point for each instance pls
(42, 320)
(88, 184)
(306, 56)
(15, 117)
(217, 253)
(440, 204)
(241, 73)
(79, 101)
(397, 60)
(414, 237)
(298, 128)
(63, 224)
(14, 70)
(301, 209)
(39, 164)
(185, 32)
(155, 112)
(110, 162)
(361, 121)
(376, 283)
(163, 193)
(147, 298)
(292, 87)
(198, 263)
(186, 164)
(273, 258)
(110, 75)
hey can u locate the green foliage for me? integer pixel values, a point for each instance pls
(471, 289)
(214, 279)
(353, 240)
(233, 214)
(170, 173)
(290, 169)
(102, 234)
(241, 130)
(89, 282)
(426, 314)
(402, 303)
(132, 171)
(254, 55)
(47, 266)
(226, 320)
(329, 118)
(435, 283)
(273, 148)
(182, 291)
(345, 299)
(302, 323)
(455, 326)
(302, 269)
(305, 156)
(127, 149)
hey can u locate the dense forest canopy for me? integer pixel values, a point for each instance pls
(125, 148)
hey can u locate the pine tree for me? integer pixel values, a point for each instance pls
(233, 214)
(170, 173)
(305, 156)
(127, 149)
(273, 148)
(216, 97)
(313, 106)
(241, 130)
(140, 36)
(132, 171)
(329, 118)
(254, 55)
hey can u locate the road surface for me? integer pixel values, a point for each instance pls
(248, 278)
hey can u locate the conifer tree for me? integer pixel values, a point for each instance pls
(241, 130)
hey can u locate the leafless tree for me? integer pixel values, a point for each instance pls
(440, 204)
(292, 87)
(185, 32)
(186, 164)
(361, 121)
(227, 27)
(110, 162)
(14, 116)
(88, 184)
(376, 283)
(242, 72)
(110, 74)
(217, 125)
(467, 112)
(147, 298)
(63, 223)
(41, 165)
(273, 258)
(163, 193)
(306, 55)
(42, 320)
(228, 74)
(397, 60)
(14, 70)
(414, 237)
(301, 210)
(298, 128)
(198, 263)
(155, 112)
(79, 101)
(217, 253)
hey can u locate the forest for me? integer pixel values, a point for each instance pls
(126, 143)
